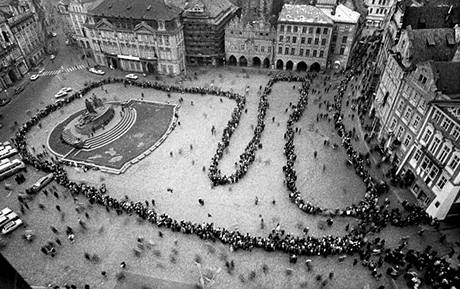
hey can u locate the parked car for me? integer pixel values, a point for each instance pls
(131, 76)
(52, 56)
(66, 89)
(54, 34)
(6, 218)
(60, 94)
(11, 226)
(96, 71)
(42, 182)
(41, 70)
(34, 77)
(19, 89)
(5, 211)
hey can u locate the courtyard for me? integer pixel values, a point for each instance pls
(173, 176)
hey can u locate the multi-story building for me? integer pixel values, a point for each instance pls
(204, 24)
(344, 33)
(377, 11)
(257, 8)
(406, 86)
(249, 43)
(431, 165)
(12, 63)
(66, 22)
(303, 38)
(26, 30)
(77, 16)
(137, 36)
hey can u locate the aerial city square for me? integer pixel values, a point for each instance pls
(229, 144)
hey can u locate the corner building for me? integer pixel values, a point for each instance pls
(137, 36)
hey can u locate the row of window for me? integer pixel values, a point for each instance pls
(304, 29)
(309, 40)
(292, 51)
(381, 11)
(241, 33)
(444, 149)
(381, 2)
(446, 124)
(430, 170)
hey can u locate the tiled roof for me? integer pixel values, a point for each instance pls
(447, 77)
(303, 14)
(342, 14)
(136, 9)
(431, 44)
(431, 17)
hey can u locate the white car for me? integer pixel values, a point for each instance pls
(131, 76)
(66, 89)
(96, 71)
(34, 77)
(41, 70)
(52, 56)
(42, 182)
(6, 218)
(60, 94)
(11, 226)
(54, 34)
(5, 211)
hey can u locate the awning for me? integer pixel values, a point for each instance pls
(128, 57)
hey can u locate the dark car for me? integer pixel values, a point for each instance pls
(19, 89)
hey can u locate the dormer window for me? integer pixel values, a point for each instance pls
(161, 25)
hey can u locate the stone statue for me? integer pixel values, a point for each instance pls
(89, 106)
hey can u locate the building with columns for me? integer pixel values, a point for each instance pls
(137, 36)
(432, 164)
(249, 43)
(303, 38)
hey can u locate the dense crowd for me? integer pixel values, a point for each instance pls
(373, 216)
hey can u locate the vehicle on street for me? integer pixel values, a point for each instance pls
(67, 89)
(41, 70)
(8, 167)
(54, 34)
(5, 211)
(52, 56)
(96, 71)
(34, 77)
(131, 76)
(60, 94)
(7, 151)
(4, 101)
(42, 182)
(19, 89)
(8, 217)
(11, 226)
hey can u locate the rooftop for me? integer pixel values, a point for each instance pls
(431, 17)
(447, 77)
(342, 14)
(213, 7)
(303, 14)
(432, 44)
(137, 9)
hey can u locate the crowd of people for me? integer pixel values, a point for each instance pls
(373, 215)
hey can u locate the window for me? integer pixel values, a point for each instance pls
(262, 49)
(393, 123)
(288, 39)
(269, 49)
(323, 41)
(294, 39)
(344, 39)
(441, 182)
(301, 52)
(318, 30)
(282, 28)
(316, 41)
(436, 116)
(307, 52)
(422, 79)
(446, 123)
(302, 40)
(401, 105)
(292, 51)
(242, 46)
(309, 40)
(321, 53)
(416, 121)
(288, 29)
(295, 29)
(304, 29)
(256, 48)
(408, 113)
(400, 132)
(280, 50)
(433, 173)
(454, 162)
(427, 135)
(444, 153)
(325, 30)
(314, 53)
(417, 154)
(281, 38)
(407, 140)
(310, 30)
(455, 132)
(286, 50)
(342, 50)
(435, 145)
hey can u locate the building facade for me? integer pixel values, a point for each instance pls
(433, 162)
(377, 11)
(303, 38)
(26, 29)
(137, 36)
(249, 43)
(204, 24)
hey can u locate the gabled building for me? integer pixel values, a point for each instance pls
(377, 11)
(137, 36)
